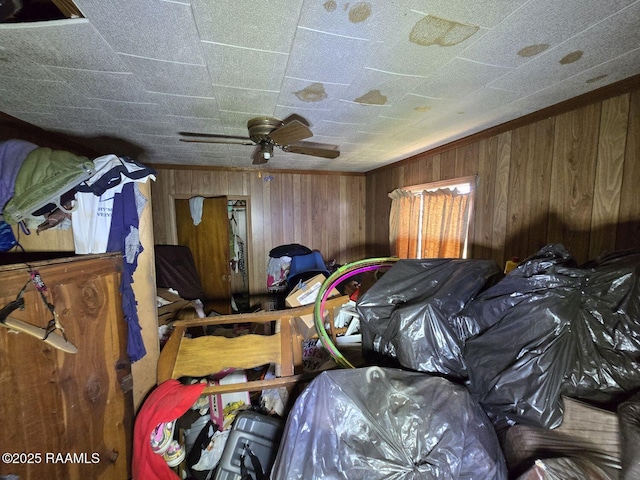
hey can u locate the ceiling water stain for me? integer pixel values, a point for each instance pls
(533, 50)
(432, 30)
(313, 93)
(359, 12)
(422, 109)
(572, 57)
(374, 97)
(597, 79)
(330, 5)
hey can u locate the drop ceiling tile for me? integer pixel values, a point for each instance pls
(305, 94)
(42, 92)
(375, 87)
(146, 28)
(486, 14)
(364, 20)
(150, 140)
(175, 150)
(244, 68)
(521, 31)
(170, 77)
(230, 98)
(597, 44)
(105, 85)
(134, 111)
(329, 126)
(362, 136)
(267, 27)
(416, 107)
(612, 71)
(423, 44)
(483, 100)
(326, 58)
(151, 128)
(408, 110)
(195, 124)
(185, 106)
(363, 115)
(458, 78)
(96, 130)
(14, 65)
(83, 116)
(12, 104)
(71, 43)
(383, 126)
(616, 69)
(236, 122)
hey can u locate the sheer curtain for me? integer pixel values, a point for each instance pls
(428, 224)
(404, 221)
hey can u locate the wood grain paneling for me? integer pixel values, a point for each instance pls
(608, 181)
(322, 211)
(569, 177)
(572, 178)
(55, 403)
(628, 227)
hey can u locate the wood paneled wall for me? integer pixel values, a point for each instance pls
(324, 212)
(568, 178)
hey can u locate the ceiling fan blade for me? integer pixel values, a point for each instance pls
(323, 150)
(258, 158)
(216, 138)
(229, 141)
(291, 132)
(295, 116)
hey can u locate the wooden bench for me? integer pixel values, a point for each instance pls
(206, 355)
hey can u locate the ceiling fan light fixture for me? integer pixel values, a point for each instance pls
(267, 150)
(266, 133)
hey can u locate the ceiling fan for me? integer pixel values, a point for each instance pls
(268, 132)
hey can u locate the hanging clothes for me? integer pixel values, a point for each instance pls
(44, 177)
(124, 237)
(12, 154)
(106, 219)
(195, 208)
(91, 219)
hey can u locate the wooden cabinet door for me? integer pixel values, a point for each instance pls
(65, 416)
(209, 245)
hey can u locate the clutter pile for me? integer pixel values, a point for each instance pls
(471, 373)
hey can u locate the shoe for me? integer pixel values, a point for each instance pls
(175, 454)
(161, 437)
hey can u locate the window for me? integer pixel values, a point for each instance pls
(432, 220)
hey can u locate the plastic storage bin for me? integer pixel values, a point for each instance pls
(257, 432)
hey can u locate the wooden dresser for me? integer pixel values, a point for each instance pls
(66, 416)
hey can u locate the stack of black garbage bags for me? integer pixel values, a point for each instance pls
(499, 350)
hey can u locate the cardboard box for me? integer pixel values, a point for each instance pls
(304, 294)
(166, 311)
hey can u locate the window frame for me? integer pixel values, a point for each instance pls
(450, 184)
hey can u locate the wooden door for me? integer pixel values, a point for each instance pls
(209, 245)
(66, 416)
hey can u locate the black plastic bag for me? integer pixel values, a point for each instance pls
(411, 313)
(557, 329)
(379, 423)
